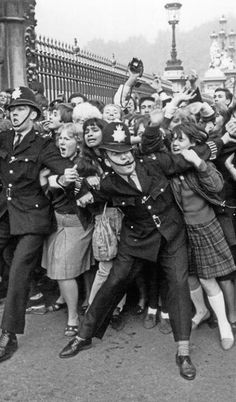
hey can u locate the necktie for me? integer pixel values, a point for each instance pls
(131, 181)
(17, 140)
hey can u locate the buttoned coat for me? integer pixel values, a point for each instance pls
(22, 196)
(151, 213)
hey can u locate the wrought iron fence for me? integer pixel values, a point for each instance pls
(64, 68)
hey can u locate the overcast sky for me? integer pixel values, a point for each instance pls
(120, 19)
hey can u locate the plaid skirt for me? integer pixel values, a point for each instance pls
(67, 253)
(209, 253)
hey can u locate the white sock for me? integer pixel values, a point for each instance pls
(199, 304)
(218, 306)
(152, 310)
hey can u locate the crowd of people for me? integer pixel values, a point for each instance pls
(134, 196)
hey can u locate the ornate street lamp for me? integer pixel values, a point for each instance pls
(173, 11)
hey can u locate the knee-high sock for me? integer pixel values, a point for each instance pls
(218, 305)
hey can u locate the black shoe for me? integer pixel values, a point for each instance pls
(186, 367)
(117, 322)
(75, 346)
(8, 345)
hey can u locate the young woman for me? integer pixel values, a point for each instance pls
(196, 192)
(91, 156)
(67, 251)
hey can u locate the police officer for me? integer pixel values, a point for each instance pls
(152, 228)
(25, 212)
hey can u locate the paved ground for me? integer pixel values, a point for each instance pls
(135, 365)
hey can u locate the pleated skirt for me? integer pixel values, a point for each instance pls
(209, 253)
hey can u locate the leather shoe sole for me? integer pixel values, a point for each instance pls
(186, 368)
(74, 347)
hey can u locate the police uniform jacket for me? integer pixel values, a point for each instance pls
(150, 214)
(22, 196)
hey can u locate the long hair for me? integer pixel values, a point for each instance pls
(88, 158)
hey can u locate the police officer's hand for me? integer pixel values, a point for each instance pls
(85, 199)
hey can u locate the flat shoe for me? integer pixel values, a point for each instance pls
(204, 318)
(227, 343)
(71, 330)
(56, 306)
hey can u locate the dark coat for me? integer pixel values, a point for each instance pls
(150, 214)
(22, 196)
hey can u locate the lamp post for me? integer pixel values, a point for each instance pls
(173, 11)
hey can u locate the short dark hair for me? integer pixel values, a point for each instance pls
(94, 121)
(227, 92)
(77, 95)
(144, 98)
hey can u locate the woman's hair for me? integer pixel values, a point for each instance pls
(66, 111)
(85, 111)
(71, 130)
(94, 122)
(193, 132)
(88, 162)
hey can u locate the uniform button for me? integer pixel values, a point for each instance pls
(162, 189)
(141, 160)
(149, 207)
(9, 185)
(131, 227)
(9, 198)
(26, 160)
(123, 203)
(11, 171)
(36, 205)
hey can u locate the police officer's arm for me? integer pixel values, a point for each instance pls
(51, 158)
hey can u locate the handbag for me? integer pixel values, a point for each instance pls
(105, 236)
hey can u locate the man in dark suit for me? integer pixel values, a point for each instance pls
(25, 212)
(152, 227)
